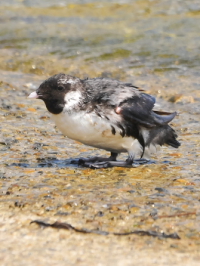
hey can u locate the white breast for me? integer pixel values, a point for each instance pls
(94, 131)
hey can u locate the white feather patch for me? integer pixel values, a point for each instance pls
(71, 81)
(94, 131)
(156, 105)
(65, 81)
(152, 149)
(72, 98)
(145, 134)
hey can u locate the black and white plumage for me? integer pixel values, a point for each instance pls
(106, 114)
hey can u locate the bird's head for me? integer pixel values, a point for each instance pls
(53, 91)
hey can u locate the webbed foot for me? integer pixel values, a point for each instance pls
(109, 164)
(101, 162)
(94, 160)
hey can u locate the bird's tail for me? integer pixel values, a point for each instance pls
(160, 134)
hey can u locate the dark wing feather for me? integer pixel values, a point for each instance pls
(129, 109)
(109, 92)
(134, 106)
(138, 109)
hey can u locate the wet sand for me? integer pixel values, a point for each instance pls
(37, 180)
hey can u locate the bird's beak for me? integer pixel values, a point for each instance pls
(33, 95)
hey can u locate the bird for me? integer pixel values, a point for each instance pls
(107, 114)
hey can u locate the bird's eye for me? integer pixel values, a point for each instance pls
(60, 88)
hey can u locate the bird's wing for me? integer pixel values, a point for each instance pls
(128, 102)
(138, 109)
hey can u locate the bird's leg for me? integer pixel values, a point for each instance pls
(113, 156)
(110, 162)
(130, 162)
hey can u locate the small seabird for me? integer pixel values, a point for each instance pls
(107, 114)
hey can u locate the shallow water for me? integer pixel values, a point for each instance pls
(155, 45)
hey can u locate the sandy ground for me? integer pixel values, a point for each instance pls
(39, 183)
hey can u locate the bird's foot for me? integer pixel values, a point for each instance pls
(143, 161)
(95, 159)
(101, 162)
(104, 164)
(109, 164)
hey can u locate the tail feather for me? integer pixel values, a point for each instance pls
(159, 135)
(171, 139)
(163, 118)
(163, 135)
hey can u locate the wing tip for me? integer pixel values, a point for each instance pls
(163, 117)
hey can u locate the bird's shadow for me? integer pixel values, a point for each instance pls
(49, 162)
(53, 162)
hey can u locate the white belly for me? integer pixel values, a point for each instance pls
(93, 131)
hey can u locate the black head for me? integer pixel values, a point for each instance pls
(53, 90)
